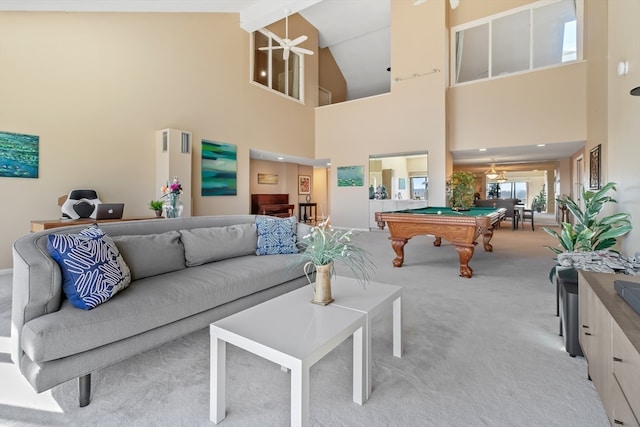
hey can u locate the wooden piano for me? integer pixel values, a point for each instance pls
(271, 204)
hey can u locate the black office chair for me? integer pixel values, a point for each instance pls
(527, 215)
(80, 204)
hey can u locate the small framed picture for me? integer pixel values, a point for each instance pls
(594, 168)
(304, 184)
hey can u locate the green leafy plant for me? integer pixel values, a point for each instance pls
(155, 205)
(590, 233)
(461, 189)
(539, 202)
(324, 245)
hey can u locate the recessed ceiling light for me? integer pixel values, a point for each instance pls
(482, 149)
(541, 145)
(280, 158)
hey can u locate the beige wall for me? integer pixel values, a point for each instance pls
(622, 150)
(411, 118)
(546, 106)
(330, 76)
(96, 86)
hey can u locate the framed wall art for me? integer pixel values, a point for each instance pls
(594, 168)
(304, 184)
(350, 176)
(219, 169)
(267, 178)
(19, 155)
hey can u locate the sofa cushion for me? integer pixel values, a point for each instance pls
(203, 245)
(151, 254)
(276, 236)
(93, 270)
(154, 302)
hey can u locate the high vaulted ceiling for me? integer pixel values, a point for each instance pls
(355, 31)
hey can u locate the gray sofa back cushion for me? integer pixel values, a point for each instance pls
(204, 245)
(151, 254)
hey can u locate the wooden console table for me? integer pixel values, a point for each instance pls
(46, 224)
(307, 216)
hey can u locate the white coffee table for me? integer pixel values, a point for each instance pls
(291, 331)
(372, 300)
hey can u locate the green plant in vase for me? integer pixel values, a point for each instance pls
(323, 247)
(589, 231)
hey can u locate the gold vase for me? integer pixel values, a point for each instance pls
(322, 285)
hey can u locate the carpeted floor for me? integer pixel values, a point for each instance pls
(483, 351)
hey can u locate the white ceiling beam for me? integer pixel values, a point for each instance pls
(266, 12)
(222, 6)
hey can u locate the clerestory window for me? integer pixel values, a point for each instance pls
(271, 70)
(541, 34)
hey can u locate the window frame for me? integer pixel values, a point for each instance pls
(270, 77)
(488, 20)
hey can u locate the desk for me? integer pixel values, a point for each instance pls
(460, 228)
(46, 224)
(309, 216)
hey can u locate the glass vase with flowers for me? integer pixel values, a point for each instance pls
(172, 207)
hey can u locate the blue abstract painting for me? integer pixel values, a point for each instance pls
(19, 154)
(219, 169)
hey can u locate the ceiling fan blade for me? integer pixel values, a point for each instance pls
(301, 50)
(270, 48)
(297, 40)
(276, 37)
(285, 53)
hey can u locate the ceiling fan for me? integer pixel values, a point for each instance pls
(453, 3)
(287, 44)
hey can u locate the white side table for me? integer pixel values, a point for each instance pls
(291, 331)
(373, 300)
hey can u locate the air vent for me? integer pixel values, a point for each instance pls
(185, 146)
(165, 141)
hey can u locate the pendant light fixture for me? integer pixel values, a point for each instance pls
(492, 173)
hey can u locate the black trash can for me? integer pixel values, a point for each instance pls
(567, 281)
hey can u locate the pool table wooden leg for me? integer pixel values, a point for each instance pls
(398, 247)
(486, 238)
(465, 253)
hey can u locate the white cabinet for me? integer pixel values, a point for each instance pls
(610, 340)
(173, 158)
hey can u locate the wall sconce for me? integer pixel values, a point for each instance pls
(623, 68)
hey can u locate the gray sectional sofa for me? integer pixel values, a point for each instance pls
(185, 274)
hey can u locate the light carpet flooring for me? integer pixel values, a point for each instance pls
(483, 351)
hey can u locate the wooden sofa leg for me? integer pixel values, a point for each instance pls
(84, 389)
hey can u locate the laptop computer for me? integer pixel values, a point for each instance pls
(109, 210)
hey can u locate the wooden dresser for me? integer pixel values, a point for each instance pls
(610, 340)
(271, 204)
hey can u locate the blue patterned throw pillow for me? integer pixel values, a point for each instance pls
(92, 268)
(276, 235)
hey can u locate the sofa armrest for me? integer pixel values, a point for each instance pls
(37, 286)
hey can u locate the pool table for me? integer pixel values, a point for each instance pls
(461, 228)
